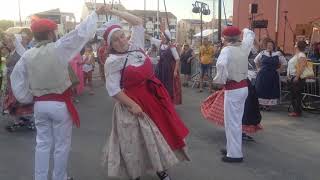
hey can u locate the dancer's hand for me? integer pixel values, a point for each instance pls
(136, 110)
(105, 9)
(175, 74)
(101, 10)
(147, 36)
(162, 28)
(108, 9)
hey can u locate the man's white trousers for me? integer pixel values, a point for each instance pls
(234, 101)
(54, 129)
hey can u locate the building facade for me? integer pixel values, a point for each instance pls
(151, 22)
(152, 25)
(287, 19)
(66, 21)
(89, 7)
(187, 28)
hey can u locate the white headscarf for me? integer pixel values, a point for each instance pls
(107, 29)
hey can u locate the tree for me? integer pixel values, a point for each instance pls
(191, 33)
(5, 24)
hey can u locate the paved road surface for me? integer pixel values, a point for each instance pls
(287, 148)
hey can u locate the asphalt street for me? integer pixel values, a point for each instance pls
(286, 149)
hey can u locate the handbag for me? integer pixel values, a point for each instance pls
(308, 71)
(73, 77)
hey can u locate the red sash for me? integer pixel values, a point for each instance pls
(231, 85)
(64, 97)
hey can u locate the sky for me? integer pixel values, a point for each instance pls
(181, 8)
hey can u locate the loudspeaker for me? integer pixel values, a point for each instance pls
(304, 30)
(253, 8)
(260, 24)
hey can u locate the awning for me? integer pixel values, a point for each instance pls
(206, 33)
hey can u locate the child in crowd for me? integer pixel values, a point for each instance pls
(88, 67)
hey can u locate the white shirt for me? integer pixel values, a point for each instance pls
(223, 59)
(115, 62)
(18, 45)
(173, 49)
(66, 47)
(291, 70)
(282, 59)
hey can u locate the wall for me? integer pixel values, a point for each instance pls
(299, 12)
(184, 27)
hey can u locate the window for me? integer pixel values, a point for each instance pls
(172, 26)
(102, 18)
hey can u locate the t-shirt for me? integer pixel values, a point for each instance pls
(206, 54)
(291, 71)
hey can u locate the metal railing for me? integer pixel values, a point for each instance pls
(311, 93)
(195, 72)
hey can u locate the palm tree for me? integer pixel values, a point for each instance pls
(191, 33)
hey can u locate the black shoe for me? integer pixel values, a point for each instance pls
(14, 127)
(70, 178)
(231, 160)
(267, 108)
(136, 178)
(245, 137)
(11, 128)
(24, 119)
(163, 175)
(223, 152)
(30, 125)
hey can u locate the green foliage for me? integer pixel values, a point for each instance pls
(5, 24)
(191, 33)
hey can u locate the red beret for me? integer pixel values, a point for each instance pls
(43, 25)
(231, 31)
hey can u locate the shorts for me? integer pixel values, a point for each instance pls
(206, 69)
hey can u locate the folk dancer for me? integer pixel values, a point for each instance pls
(232, 72)
(42, 74)
(20, 111)
(167, 70)
(147, 133)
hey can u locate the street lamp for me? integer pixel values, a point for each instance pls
(203, 9)
(19, 4)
